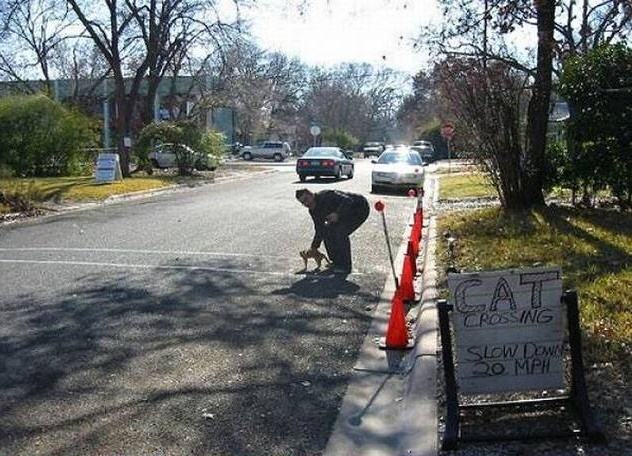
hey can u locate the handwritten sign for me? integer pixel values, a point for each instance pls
(108, 168)
(509, 330)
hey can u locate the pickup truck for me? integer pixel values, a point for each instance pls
(275, 150)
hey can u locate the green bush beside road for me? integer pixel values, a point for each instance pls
(40, 137)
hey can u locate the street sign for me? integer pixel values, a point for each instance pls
(447, 130)
(314, 130)
(108, 168)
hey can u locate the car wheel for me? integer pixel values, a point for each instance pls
(247, 156)
(302, 177)
(339, 173)
(350, 175)
(278, 157)
(154, 163)
(374, 188)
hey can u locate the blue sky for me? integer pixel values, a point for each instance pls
(327, 32)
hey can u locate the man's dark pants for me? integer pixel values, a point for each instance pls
(336, 237)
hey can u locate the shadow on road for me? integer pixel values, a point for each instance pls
(321, 285)
(127, 363)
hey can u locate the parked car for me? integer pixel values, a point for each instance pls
(425, 150)
(275, 150)
(372, 148)
(324, 161)
(166, 156)
(400, 168)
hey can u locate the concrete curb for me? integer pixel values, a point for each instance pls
(390, 405)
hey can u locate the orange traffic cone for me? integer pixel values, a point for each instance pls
(419, 215)
(397, 333)
(414, 240)
(411, 256)
(406, 287)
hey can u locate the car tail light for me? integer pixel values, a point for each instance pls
(327, 163)
(302, 163)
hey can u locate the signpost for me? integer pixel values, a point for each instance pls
(509, 336)
(108, 168)
(315, 131)
(447, 131)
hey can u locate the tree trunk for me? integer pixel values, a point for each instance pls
(121, 124)
(538, 112)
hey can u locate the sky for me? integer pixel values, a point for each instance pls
(328, 32)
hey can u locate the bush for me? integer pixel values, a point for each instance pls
(212, 143)
(41, 137)
(597, 87)
(340, 138)
(183, 132)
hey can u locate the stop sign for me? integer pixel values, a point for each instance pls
(447, 130)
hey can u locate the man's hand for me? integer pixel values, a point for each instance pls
(332, 218)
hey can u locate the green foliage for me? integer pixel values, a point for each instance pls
(598, 87)
(341, 138)
(182, 132)
(42, 137)
(212, 143)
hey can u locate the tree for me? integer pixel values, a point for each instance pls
(486, 102)
(479, 30)
(32, 30)
(164, 27)
(598, 87)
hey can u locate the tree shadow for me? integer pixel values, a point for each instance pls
(125, 364)
(605, 258)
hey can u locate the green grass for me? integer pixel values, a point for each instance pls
(60, 189)
(594, 249)
(469, 185)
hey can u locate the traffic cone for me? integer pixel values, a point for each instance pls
(406, 287)
(414, 240)
(411, 256)
(397, 333)
(420, 221)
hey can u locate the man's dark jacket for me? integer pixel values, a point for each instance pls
(350, 207)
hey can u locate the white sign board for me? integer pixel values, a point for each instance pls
(108, 168)
(314, 130)
(509, 330)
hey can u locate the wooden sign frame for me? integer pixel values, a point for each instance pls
(577, 398)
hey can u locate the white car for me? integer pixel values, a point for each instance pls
(164, 156)
(275, 150)
(400, 168)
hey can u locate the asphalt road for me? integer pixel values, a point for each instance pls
(178, 324)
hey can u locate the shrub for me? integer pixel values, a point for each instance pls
(41, 137)
(341, 138)
(180, 132)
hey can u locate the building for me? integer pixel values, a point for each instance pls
(183, 97)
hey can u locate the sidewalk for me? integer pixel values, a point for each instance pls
(390, 408)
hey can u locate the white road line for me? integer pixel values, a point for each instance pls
(149, 266)
(145, 266)
(157, 252)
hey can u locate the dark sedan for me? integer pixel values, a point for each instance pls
(324, 161)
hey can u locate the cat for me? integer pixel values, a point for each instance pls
(316, 255)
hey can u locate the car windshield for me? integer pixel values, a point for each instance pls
(322, 152)
(399, 158)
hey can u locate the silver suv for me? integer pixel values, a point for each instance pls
(275, 150)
